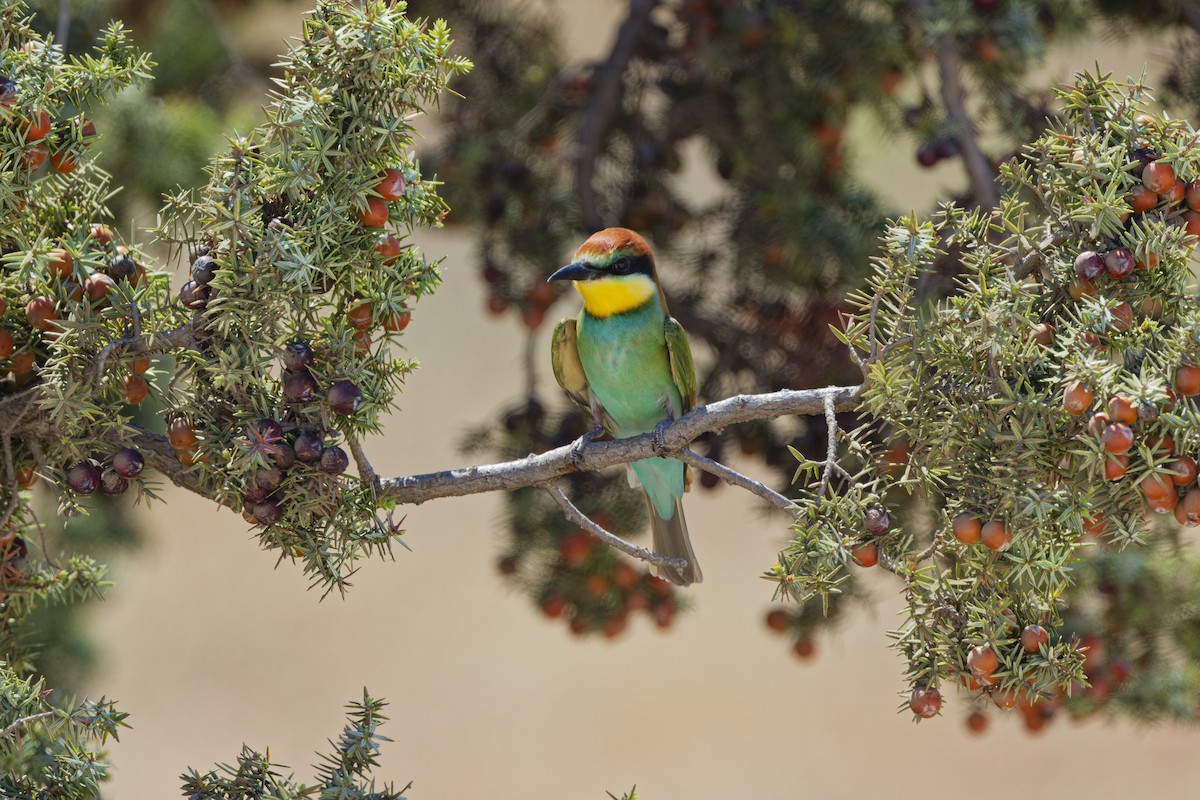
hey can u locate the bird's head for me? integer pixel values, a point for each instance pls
(613, 270)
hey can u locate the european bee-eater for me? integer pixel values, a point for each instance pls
(628, 362)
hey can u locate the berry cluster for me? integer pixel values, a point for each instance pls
(113, 478)
(596, 590)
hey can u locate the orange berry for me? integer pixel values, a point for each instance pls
(1078, 398)
(1120, 409)
(925, 703)
(1142, 199)
(967, 529)
(136, 389)
(1118, 438)
(804, 649)
(1042, 333)
(1191, 222)
(391, 184)
(982, 662)
(996, 536)
(1188, 509)
(866, 555)
(1158, 176)
(1182, 470)
(37, 125)
(1164, 504)
(7, 345)
(376, 213)
(1155, 487)
(396, 321)
(1115, 466)
(1175, 194)
(1034, 637)
(1192, 195)
(778, 620)
(1187, 380)
(60, 263)
(180, 433)
(361, 317)
(977, 722)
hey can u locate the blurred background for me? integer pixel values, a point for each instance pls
(208, 644)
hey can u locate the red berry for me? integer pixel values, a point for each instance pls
(982, 662)
(388, 249)
(361, 317)
(180, 433)
(1187, 380)
(1122, 317)
(1033, 637)
(779, 620)
(967, 529)
(996, 536)
(925, 703)
(1142, 199)
(977, 722)
(376, 213)
(136, 389)
(41, 313)
(1117, 438)
(391, 184)
(60, 263)
(575, 547)
(1077, 399)
(1115, 466)
(7, 345)
(62, 162)
(1158, 176)
(1120, 409)
(97, 286)
(1182, 470)
(1187, 511)
(1156, 487)
(1119, 262)
(37, 125)
(804, 649)
(396, 321)
(1042, 333)
(866, 555)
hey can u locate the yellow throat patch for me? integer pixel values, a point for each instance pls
(604, 297)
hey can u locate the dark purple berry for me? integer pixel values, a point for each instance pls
(300, 387)
(254, 494)
(344, 397)
(1119, 263)
(267, 431)
(309, 447)
(83, 478)
(268, 478)
(297, 356)
(1143, 156)
(121, 268)
(1089, 265)
(334, 460)
(946, 147)
(194, 295)
(128, 462)
(877, 520)
(284, 455)
(113, 484)
(927, 154)
(267, 512)
(204, 269)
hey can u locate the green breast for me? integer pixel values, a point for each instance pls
(625, 360)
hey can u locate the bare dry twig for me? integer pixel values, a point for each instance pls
(579, 518)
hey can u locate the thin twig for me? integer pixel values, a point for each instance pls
(735, 478)
(830, 449)
(366, 472)
(1035, 257)
(979, 168)
(581, 519)
(25, 721)
(608, 77)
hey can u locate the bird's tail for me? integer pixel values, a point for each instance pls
(671, 539)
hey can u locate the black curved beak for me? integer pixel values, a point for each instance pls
(575, 272)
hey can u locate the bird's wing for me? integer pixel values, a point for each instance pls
(568, 369)
(683, 369)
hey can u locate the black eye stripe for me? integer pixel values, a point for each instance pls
(628, 265)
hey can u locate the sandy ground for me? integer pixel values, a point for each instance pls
(213, 646)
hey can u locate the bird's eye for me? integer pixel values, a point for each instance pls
(621, 266)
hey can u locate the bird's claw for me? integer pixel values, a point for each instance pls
(582, 442)
(659, 438)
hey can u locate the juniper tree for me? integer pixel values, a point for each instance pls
(1012, 387)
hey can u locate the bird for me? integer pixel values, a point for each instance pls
(628, 362)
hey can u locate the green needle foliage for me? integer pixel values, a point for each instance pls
(1000, 392)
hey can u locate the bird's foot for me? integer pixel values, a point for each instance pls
(659, 438)
(583, 441)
